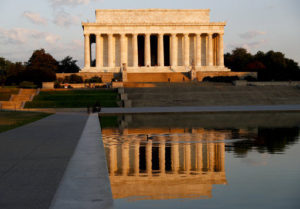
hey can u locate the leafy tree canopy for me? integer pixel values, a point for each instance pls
(269, 66)
(68, 65)
(41, 67)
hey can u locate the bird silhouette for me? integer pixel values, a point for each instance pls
(149, 137)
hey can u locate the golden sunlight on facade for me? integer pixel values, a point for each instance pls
(153, 40)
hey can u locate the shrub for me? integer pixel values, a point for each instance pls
(94, 79)
(27, 85)
(73, 79)
(250, 78)
(223, 79)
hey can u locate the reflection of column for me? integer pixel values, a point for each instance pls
(211, 157)
(99, 51)
(210, 50)
(222, 150)
(136, 158)
(160, 50)
(175, 157)
(147, 50)
(113, 159)
(125, 158)
(135, 50)
(149, 158)
(87, 51)
(174, 48)
(187, 152)
(162, 157)
(123, 49)
(198, 49)
(221, 51)
(110, 51)
(199, 156)
(186, 50)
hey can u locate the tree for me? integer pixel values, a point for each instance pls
(68, 65)
(269, 66)
(40, 67)
(238, 60)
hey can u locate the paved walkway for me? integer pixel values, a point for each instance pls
(201, 109)
(33, 159)
(86, 184)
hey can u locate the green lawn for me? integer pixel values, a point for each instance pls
(75, 99)
(5, 93)
(10, 120)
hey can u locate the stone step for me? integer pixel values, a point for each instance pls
(11, 105)
(22, 97)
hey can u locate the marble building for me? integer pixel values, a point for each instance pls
(153, 40)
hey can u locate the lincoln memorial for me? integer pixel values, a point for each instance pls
(153, 40)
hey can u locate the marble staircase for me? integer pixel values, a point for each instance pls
(17, 101)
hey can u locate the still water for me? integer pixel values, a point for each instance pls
(203, 160)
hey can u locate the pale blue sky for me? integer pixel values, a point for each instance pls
(26, 25)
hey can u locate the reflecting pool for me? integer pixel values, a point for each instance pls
(203, 160)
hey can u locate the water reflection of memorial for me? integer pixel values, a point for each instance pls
(165, 163)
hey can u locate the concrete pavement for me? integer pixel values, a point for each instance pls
(33, 159)
(86, 184)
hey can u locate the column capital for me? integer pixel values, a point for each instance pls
(186, 34)
(87, 34)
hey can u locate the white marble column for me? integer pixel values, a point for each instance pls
(174, 49)
(149, 158)
(136, 158)
(175, 157)
(186, 50)
(87, 51)
(211, 157)
(113, 159)
(221, 50)
(110, 51)
(99, 51)
(198, 49)
(135, 49)
(160, 49)
(210, 50)
(125, 159)
(147, 50)
(162, 157)
(187, 152)
(124, 45)
(199, 156)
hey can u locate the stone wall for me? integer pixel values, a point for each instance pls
(106, 77)
(152, 16)
(159, 77)
(202, 75)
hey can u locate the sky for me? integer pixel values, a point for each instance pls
(55, 25)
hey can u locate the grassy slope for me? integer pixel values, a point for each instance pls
(74, 99)
(10, 120)
(6, 92)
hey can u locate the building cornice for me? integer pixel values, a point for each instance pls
(158, 24)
